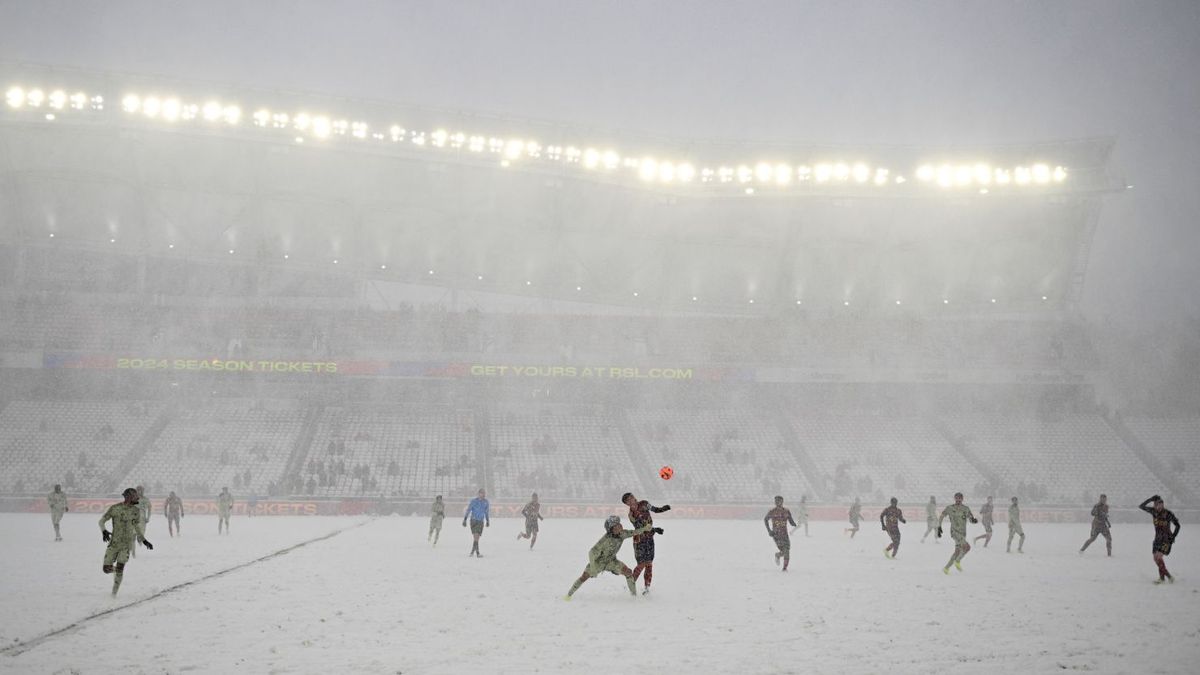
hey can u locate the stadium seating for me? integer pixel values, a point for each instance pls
(876, 457)
(1175, 442)
(1076, 457)
(47, 442)
(409, 452)
(559, 452)
(214, 444)
(736, 452)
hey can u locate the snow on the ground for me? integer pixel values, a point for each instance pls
(379, 599)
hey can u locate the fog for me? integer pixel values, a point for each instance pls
(342, 259)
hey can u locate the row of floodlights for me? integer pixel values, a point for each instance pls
(304, 125)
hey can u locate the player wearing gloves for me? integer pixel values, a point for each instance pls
(777, 520)
(127, 529)
(888, 520)
(643, 544)
(958, 513)
(1100, 525)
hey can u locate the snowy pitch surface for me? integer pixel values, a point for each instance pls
(376, 598)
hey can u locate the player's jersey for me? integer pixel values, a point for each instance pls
(985, 513)
(1100, 514)
(605, 550)
(1162, 523)
(931, 512)
(779, 518)
(225, 503)
(479, 509)
(641, 515)
(855, 513)
(145, 507)
(438, 511)
(57, 502)
(127, 523)
(1014, 515)
(532, 512)
(802, 513)
(891, 517)
(958, 514)
(173, 507)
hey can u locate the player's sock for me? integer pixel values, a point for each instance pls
(649, 574)
(778, 555)
(632, 587)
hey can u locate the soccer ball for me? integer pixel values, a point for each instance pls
(666, 472)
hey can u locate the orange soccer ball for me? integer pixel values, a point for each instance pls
(666, 472)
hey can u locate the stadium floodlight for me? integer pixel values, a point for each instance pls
(513, 149)
(695, 299)
(647, 168)
(1044, 298)
(151, 106)
(707, 175)
(479, 277)
(457, 140)
(945, 301)
(926, 173)
(528, 282)
(320, 126)
(171, 109)
(15, 97)
(579, 288)
(1003, 176)
(211, 111)
(383, 267)
(823, 172)
(897, 302)
(572, 154)
(286, 256)
(430, 272)
(189, 112)
(1060, 174)
(841, 171)
(686, 172)
(591, 158)
(51, 117)
(78, 100)
(335, 261)
(280, 120)
(799, 302)
(861, 173)
(1041, 174)
(666, 172)
(945, 175)
(97, 103)
(881, 176)
(983, 174)
(261, 117)
(232, 114)
(476, 143)
(340, 127)
(993, 301)
(533, 149)
(359, 130)
(57, 99)
(983, 191)
(744, 174)
(900, 180)
(438, 138)
(35, 98)
(845, 303)
(112, 240)
(230, 251)
(171, 246)
(783, 174)
(635, 294)
(725, 174)
(763, 172)
(752, 301)
(804, 173)
(51, 235)
(963, 174)
(1022, 175)
(749, 190)
(131, 103)
(611, 159)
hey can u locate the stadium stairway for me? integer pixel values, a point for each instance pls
(140, 448)
(807, 466)
(642, 467)
(1162, 473)
(483, 448)
(957, 443)
(302, 446)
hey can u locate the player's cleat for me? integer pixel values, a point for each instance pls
(646, 592)
(946, 570)
(567, 597)
(777, 557)
(958, 565)
(887, 553)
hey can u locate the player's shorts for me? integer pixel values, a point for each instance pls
(531, 525)
(783, 543)
(117, 552)
(223, 515)
(894, 533)
(987, 527)
(173, 518)
(1100, 528)
(1015, 528)
(643, 551)
(1161, 545)
(959, 539)
(435, 523)
(854, 523)
(613, 566)
(476, 526)
(56, 517)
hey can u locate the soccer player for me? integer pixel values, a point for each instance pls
(173, 510)
(930, 519)
(603, 556)
(480, 512)
(959, 513)
(126, 518)
(985, 515)
(1014, 527)
(643, 544)
(1100, 525)
(1163, 536)
(436, 514)
(224, 509)
(887, 520)
(776, 522)
(57, 501)
(855, 517)
(532, 513)
(802, 515)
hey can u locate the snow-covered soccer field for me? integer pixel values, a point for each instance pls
(375, 598)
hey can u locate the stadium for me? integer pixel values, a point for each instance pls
(338, 308)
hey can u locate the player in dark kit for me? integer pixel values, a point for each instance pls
(1163, 536)
(532, 513)
(1100, 525)
(888, 521)
(776, 521)
(643, 544)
